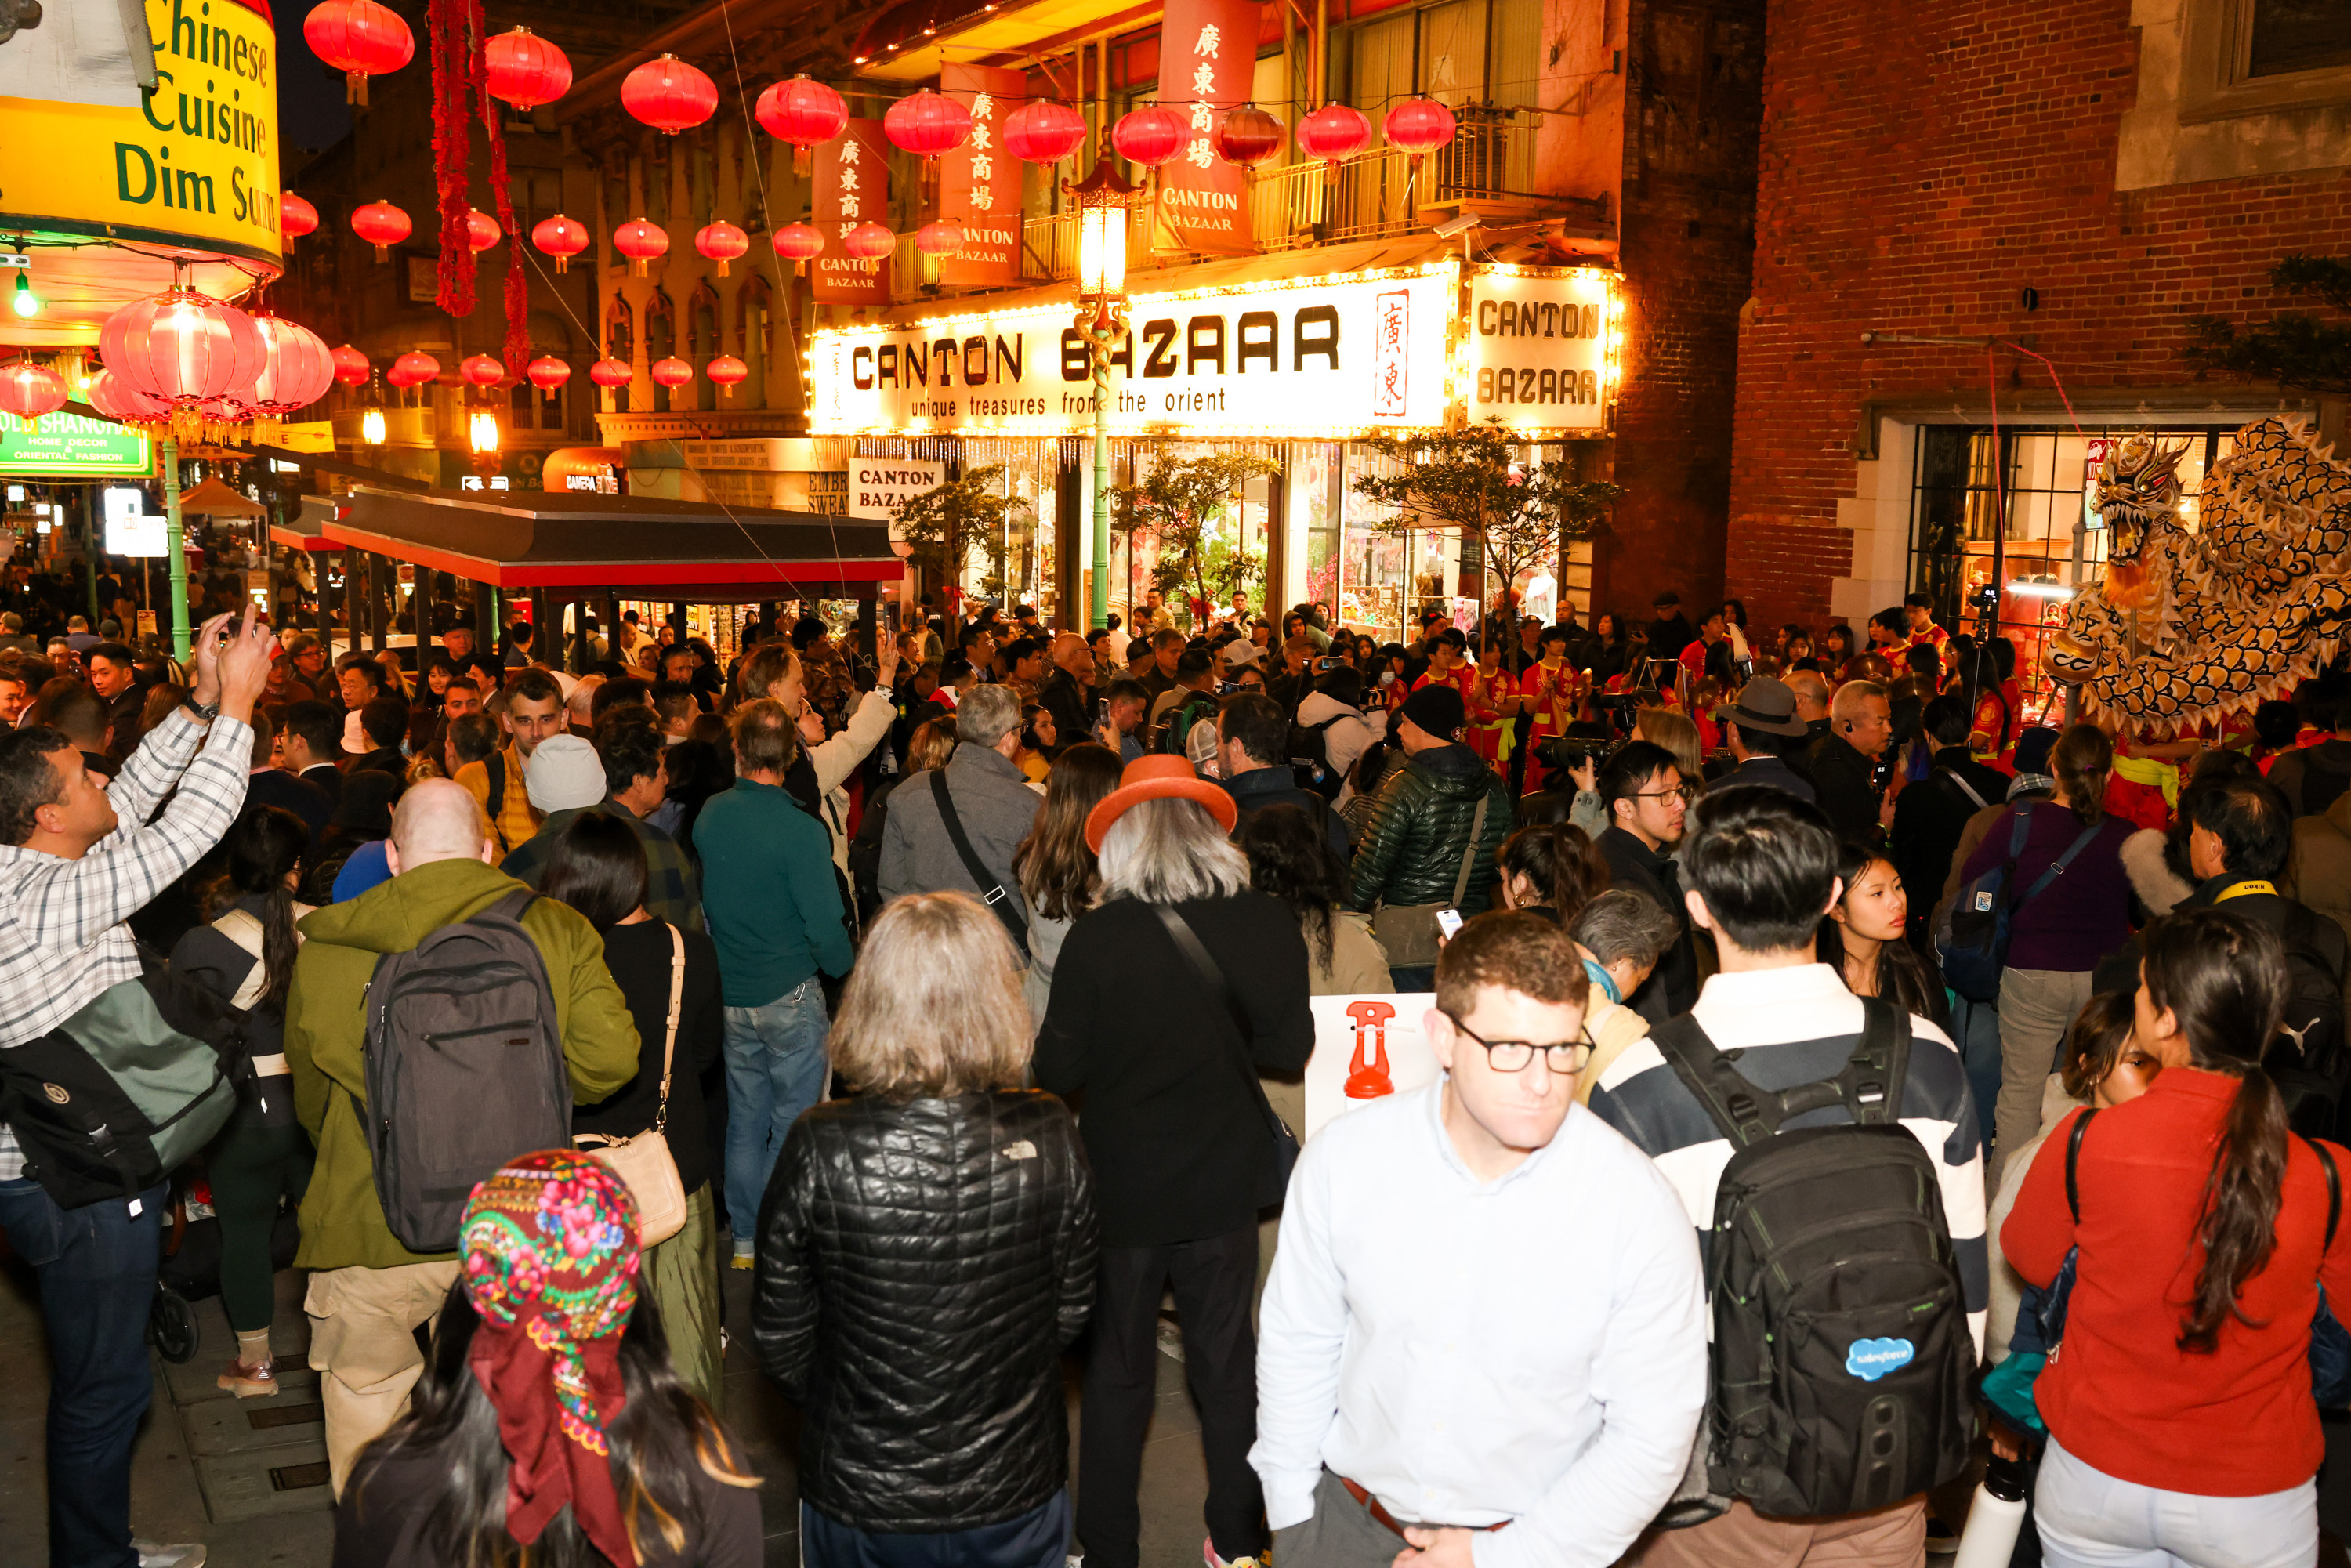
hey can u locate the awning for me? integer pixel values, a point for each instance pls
(307, 530)
(214, 499)
(565, 461)
(576, 544)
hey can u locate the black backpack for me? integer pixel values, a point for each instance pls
(1841, 1357)
(1176, 729)
(2308, 1060)
(464, 1068)
(1310, 758)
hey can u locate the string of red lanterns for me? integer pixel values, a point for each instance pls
(351, 367)
(668, 95)
(524, 69)
(802, 113)
(1045, 131)
(546, 372)
(562, 238)
(383, 225)
(727, 372)
(610, 372)
(671, 373)
(295, 216)
(640, 242)
(721, 242)
(412, 369)
(799, 243)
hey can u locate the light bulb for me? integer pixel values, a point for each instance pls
(371, 427)
(26, 302)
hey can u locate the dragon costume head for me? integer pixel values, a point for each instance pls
(2139, 487)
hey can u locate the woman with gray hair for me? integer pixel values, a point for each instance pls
(1169, 996)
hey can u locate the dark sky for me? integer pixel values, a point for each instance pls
(312, 113)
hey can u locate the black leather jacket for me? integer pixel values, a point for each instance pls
(920, 1268)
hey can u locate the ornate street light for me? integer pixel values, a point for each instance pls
(482, 435)
(1103, 202)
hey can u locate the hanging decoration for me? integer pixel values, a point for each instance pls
(943, 238)
(1151, 136)
(610, 372)
(671, 373)
(110, 395)
(1247, 137)
(414, 369)
(562, 238)
(721, 242)
(1045, 131)
(1418, 126)
(546, 372)
(461, 94)
(640, 242)
(481, 230)
(182, 347)
(296, 217)
(926, 124)
(358, 38)
(383, 225)
(727, 372)
(29, 391)
(802, 113)
(524, 69)
(869, 242)
(799, 243)
(297, 370)
(668, 95)
(1333, 132)
(481, 370)
(351, 367)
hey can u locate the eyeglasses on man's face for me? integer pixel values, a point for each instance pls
(1514, 1055)
(1685, 793)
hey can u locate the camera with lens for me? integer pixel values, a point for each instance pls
(1563, 753)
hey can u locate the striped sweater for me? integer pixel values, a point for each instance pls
(1798, 1025)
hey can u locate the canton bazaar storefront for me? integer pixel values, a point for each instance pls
(1296, 359)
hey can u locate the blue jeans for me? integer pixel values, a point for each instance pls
(1038, 1539)
(775, 1070)
(97, 1270)
(1975, 1027)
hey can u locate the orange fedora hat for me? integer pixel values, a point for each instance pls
(1158, 778)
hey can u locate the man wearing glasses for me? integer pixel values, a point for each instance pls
(1462, 1351)
(1645, 796)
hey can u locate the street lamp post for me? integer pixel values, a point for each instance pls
(1103, 200)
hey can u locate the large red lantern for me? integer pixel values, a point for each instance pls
(1333, 132)
(381, 225)
(296, 217)
(482, 230)
(802, 113)
(546, 372)
(728, 371)
(351, 367)
(182, 347)
(640, 242)
(562, 238)
(297, 369)
(671, 373)
(1150, 136)
(361, 39)
(481, 370)
(721, 242)
(927, 125)
(943, 238)
(524, 69)
(1418, 125)
(1247, 136)
(115, 398)
(869, 242)
(29, 391)
(414, 369)
(609, 372)
(799, 243)
(1044, 131)
(668, 95)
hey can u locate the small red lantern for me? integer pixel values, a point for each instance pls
(1333, 132)
(1044, 131)
(671, 373)
(524, 69)
(869, 242)
(115, 398)
(29, 391)
(799, 243)
(182, 347)
(295, 370)
(610, 372)
(414, 369)
(802, 113)
(722, 242)
(729, 372)
(562, 238)
(927, 125)
(361, 39)
(1418, 125)
(640, 242)
(482, 230)
(481, 370)
(380, 224)
(351, 367)
(943, 238)
(546, 372)
(1247, 136)
(1150, 136)
(296, 217)
(668, 95)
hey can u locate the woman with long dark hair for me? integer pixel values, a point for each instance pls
(1290, 857)
(1058, 872)
(2182, 1428)
(1550, 869)
(1612, 651)
(1835, 652)
(1862, 937)
(547, 1428)
(245, 958)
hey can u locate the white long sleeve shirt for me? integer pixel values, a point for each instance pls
(1532, 1349)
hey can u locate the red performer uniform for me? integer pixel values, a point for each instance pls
(1552, 693)
(1490, 692)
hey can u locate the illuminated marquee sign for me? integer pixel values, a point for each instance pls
(1538, 349)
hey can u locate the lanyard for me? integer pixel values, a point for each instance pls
(2241, 889)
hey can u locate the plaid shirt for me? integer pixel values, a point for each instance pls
(62, 939)
(671, 892)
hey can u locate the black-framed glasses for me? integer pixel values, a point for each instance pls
(1513, 1055)
(1685, 793)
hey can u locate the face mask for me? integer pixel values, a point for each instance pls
(1388, 677)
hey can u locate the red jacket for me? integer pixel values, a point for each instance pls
(2237, 1421)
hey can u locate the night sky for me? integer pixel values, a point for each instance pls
(312, 113)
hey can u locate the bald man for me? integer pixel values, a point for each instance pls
(368, 1293)
(1068, 693)
(1812, 690)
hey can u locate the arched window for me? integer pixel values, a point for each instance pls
(620, 343)
(660, 340)
(702, 321)
(755, 337)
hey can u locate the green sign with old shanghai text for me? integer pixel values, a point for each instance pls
(73, 447)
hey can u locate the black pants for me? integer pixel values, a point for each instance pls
(1213, 1280)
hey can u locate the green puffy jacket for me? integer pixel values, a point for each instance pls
(1410, 851)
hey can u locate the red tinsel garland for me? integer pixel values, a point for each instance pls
(518, 294)
(452, 85)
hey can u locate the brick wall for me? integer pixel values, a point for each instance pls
(1920, 167)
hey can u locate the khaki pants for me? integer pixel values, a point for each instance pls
(2036, 1007)
(680, 1274)
(363, 1326)
(1886, 1538)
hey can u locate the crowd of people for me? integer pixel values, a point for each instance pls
(958, 987)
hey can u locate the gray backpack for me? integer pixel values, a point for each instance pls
(464, 1068)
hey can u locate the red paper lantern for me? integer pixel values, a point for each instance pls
(29, 391)
(546, 372)
(481, 370)
(1418, 125)
(671, 373)
(668, 95)
(1150, 136)
(1044, 131)
(381, 225)
(296, 217)
(869, 242)
(927, 125)
(640, 242)
(802, 113)
(943, 238)
(361, 39)
(799, 243)
(728, 371)
(524, 69)
(722, 242)
(182, 347)
(1247, 136)
(295, 372)
(115, 398)
(562, 238)
(482, 230)
(351, 367)
(610, 373)
(414, 369)
(1333, 131)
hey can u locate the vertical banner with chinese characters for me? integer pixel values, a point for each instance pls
(1208, 60)
(852, 187)
(1391, 354)
(979, 182)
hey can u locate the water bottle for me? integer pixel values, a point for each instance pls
(1995, 1518)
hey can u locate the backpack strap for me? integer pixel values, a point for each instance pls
(1873, 1077)
(1869, 1085)
(2073, 1163)
(992, 891)
(1469, 854)
(2057, 867)
(2334, 1192)
(1736, 1105)
(1950, 776)
(508, 910)
(495, 767)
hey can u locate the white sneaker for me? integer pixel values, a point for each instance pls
(152, 1556)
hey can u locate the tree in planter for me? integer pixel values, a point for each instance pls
(1462, 481)
(2292, 349)
(944, 526)
(1178, 506)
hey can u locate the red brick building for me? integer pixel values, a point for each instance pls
(2078, 178)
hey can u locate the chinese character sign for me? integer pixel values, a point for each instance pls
(851, 186)
(1209, 64)
(979, 182)
(1391, 354)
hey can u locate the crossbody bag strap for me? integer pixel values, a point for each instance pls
(2334, 1192)
(1951, 775)
(1187, 942)
(2073, 1163)
(1469, 856)
(991, 891)
(676, 1005)
(2057, 867)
